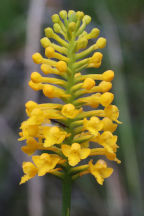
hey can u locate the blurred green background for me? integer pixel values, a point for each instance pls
(21, 27)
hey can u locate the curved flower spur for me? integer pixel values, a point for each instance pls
(68, 142)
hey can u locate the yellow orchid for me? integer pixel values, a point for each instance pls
(100, 170)
(53, 135)
(31, 147)
(45, 162)
(94, 125)
(30, 171)
(75, 153)
(69, 111)
(65, 131)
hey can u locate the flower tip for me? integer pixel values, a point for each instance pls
(88, 83)
(79, 15)
(94, 33)
(87, 19)
(71, 12)
(101, 43)
(49, 52)
(49, 32)
(57, 28)
(48, 91)
(55, 18)
(36, 77)
(45, 42)
(37, 58)
(72, 26)
(108, 75)
(46, 69)
(63, 14)
(61, 66)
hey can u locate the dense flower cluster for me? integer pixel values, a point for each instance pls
(66, 133)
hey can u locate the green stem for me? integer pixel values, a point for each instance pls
(66, 193)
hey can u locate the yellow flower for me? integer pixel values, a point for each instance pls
(45, 162)
(108, 140)
(67, 128)
(31, 147)
(88, 83)
(28, 130)
(100, 170)
(94, 125)
(61, 66)
(30, 105)
(112, 112)
(70, 111)
(53, 135)
(108, 125)
(30, 171)
(75, 153)
(95, 60)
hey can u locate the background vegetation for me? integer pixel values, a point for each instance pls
(21, 27)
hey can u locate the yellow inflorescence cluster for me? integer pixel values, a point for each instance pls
(66, 133)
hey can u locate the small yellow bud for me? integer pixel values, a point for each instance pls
(112, 112)
(57, 28)
(36, 77)
(106, 98)
(81, 44)
(34, 86)
(87, 19)
(48, 91)
(30, 105)
(45, 42)
(108, 125)
(105, 86)
(72, 26)
(37, 112)
(69, 111)
(70, 12)
(61, 66)
(95, 60)
(94, 125)
(49, 52)
(108, 75)
(49, 32)
(63, 14)
(97, 57)
(37, 58)
(88, 83)
(79, 14)
(101, 43)
(46, 69)
(94, 33)
(55, 18)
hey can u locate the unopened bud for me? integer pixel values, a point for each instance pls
(101, 43)
(87, 19)
(63, 14)
(55, 18)
(49, 52)
(37, 58)
(49, 32)
(61, 66)
(36, 77)
(45, 42)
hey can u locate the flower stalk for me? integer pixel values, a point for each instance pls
(66, 194)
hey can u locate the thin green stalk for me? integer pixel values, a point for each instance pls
(66, 195)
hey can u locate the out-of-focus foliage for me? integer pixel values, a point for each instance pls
(88, 197)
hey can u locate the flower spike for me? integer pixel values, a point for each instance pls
(64, 132)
